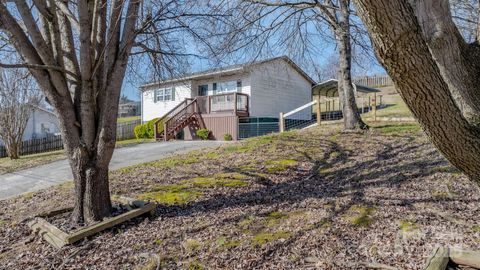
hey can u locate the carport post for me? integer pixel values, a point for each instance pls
(319, 112)
(281, 122)
(374, 106)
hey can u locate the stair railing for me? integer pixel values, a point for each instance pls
(174, 121)
(159, 124)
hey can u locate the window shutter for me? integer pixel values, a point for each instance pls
(214, 88)
(173, 93)
(155, 92)
(239, 86)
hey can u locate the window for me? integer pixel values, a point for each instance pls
(228, 86)
(166, 94)
(203, 90)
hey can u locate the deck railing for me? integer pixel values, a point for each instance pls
(228, 102)
(236, 103)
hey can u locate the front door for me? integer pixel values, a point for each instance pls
(203, 90)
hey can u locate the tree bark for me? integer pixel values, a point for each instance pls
(402, 50)
(13, 149)
(452, 54)
(91, 186)
(346, 93)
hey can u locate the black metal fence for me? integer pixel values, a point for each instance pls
(256, 126)
(35, 146)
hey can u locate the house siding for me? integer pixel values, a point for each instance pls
(34, 130)
(277, 87)
(152, 109)
(244, 77)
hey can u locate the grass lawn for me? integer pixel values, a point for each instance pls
(310, 199)
(395, 108)
(132, 142)
(7, 165)
(127, 119)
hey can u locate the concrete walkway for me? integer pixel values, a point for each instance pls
(40, 177)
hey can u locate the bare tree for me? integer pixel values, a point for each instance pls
(434, 68)
(78, 52)
(297, 26)
(18, 96)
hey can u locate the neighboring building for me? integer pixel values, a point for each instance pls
(42, 123)
(128, 109)
(220, 99)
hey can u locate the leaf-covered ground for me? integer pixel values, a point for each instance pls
(300, 200)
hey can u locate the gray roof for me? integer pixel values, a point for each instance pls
(329, 88)
(233, 69)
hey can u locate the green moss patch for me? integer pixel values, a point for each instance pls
(279, 165)
(398, 128)
(172, 194)
(225, 243)
(192, 245)
(3, 223)
(219, 180)
(476, 228)
(263, 238)
(407, 225)
(361, 215)
(441, 195)
(275, 217)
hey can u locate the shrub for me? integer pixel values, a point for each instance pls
(203, 133)
(227, 137)
(140, 132)
(147, 130)
(150, 128)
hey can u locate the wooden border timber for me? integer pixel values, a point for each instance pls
(59, 238)
(443, 255)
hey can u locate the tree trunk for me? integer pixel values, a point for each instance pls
(13, 149)
(402, 50)
(346, 93)
(92, 201)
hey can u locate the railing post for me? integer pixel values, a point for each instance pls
(209, 104)
(235, 103)
(281, 122)
(374, 106)
(319, 112)
(165, 131)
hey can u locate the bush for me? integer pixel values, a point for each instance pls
(227, 137)
(203, 133)
(140, 132)
(147, 130)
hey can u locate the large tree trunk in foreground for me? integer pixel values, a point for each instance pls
(403, 51)
(81, 74)
(91, 185)
(346, 93)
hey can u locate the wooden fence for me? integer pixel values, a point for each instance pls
(35, 146)
(373, 81)
(125, 131)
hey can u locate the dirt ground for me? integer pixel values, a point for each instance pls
(314, 199)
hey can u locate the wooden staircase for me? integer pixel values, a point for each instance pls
(183, 115)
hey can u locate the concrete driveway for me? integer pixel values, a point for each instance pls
(40, 177)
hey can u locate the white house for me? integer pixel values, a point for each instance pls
(41, 123)
(224, 97)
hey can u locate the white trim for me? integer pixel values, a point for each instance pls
(300, 108)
